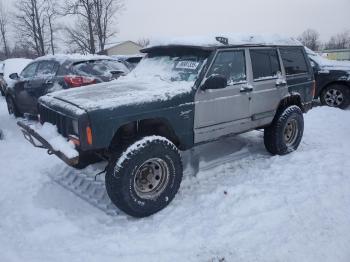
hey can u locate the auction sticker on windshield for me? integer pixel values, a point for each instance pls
(191, 65)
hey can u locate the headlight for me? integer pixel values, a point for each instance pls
(75, 125)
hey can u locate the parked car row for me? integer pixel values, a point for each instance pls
(52, 73)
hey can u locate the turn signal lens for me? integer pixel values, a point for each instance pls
(89, 135)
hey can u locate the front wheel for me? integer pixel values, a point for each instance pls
(146, 177)
(286, 131)
(336, 96)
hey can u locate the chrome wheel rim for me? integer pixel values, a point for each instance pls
(291, 132)
(334, 97)
(151, 178)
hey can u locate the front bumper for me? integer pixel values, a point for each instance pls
(36, 140)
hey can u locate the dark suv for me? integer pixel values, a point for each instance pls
(332, 80)
(51, 73)
(179, 96)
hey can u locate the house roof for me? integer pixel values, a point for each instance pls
(114, 44)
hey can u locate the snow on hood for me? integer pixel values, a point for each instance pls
(150, 81)
(327, 64)
(233, 39)
(120, 92)
(14, 65)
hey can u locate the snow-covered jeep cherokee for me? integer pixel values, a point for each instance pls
(183, 93)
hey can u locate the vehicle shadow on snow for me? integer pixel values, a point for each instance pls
(67, 183)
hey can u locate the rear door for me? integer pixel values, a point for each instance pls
(298, 71)
(219, 112)
(41, 84)
(269, 84)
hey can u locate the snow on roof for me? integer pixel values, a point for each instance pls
(123, 57)
(14, 65)
(233, 39)
(63, 57)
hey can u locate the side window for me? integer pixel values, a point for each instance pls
(265, 63)
(29, 71)
(46, 68)
(230, 64)
(294, 61)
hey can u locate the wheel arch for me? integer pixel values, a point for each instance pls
(293, 98)
(127, 132)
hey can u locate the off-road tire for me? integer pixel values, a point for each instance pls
(339, 89)
(124, 170)
(276, 135)
(12, 107)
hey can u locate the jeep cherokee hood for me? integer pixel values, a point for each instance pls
(118, 93)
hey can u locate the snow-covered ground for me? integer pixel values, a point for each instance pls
(244, 205)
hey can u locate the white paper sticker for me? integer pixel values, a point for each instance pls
(187, 65)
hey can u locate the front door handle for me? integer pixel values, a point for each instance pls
(246, 88)
(48, 82)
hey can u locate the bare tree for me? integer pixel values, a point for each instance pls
(4, 23)
(143, 42)
(339, 41)
(311, 39)
(105, 19)
(94, 23)
(34, 21)
(52, 13)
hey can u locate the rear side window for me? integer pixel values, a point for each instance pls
(265, 63)
(47, 68)
(99, 67)
(294, 61)
(230, 64)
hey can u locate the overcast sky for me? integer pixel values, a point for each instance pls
(158, 18)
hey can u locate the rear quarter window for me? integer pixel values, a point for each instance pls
(294, 61)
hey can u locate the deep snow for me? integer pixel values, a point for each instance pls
(243, 205)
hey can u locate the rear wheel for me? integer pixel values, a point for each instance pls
(12, 107)
(146, 177)
(336, 96)
(286, 131)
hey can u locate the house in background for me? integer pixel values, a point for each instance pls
(121, 48)
(337, 54)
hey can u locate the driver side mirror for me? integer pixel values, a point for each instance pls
(215, 82)
(14, 76)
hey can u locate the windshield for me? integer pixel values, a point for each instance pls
(170, 68)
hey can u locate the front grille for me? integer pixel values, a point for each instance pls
(62, 122)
